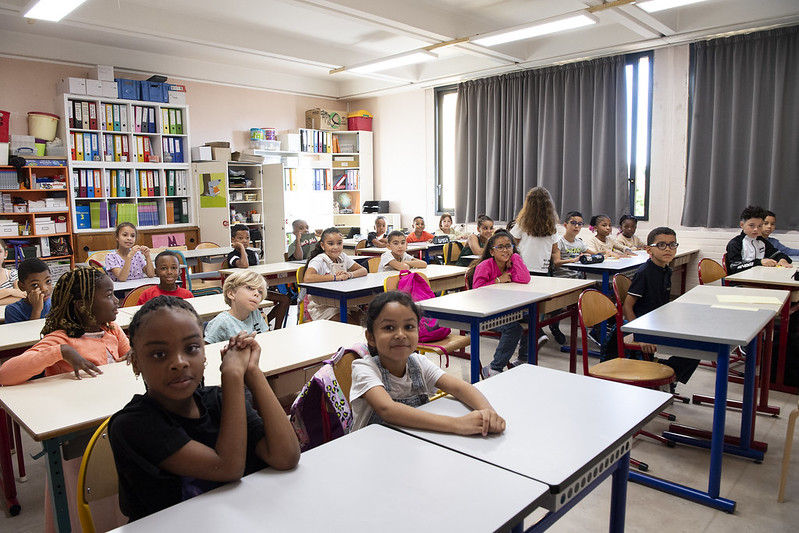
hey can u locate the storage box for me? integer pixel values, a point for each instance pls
(290, 141)
(4, 154)
(94, 87)
(201, 153)
(375, 206)
(45, 227)
(176, 94)
(23, 145)
(326, 119)
(127, 89)
(104, 73)
(110, 89)
(220, 153)
(9, 230)
(153, 91)
(71, 86)
(28, 252)
(360, 123)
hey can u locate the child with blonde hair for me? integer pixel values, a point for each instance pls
(243, 291)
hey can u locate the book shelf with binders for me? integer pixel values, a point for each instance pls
(35, 216)
(128, 161)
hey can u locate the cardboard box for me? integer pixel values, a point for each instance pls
(201, 153)
(220, 153)
(326, 119)
(110, 89)
(94, 87)
(177, 94)
(9, 230)
(45, 227)
(71, 86)
(290, 141)
(104, 72)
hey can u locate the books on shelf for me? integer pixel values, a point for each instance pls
(173, 149)
(320, 179)
(347, 180)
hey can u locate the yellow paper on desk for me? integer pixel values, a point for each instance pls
(743, 299)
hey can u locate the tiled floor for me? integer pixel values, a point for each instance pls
(753, 486)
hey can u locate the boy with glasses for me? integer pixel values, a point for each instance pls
(568, 249)
(651, 288)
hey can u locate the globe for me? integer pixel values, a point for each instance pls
(345, 200)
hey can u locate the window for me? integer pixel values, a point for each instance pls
(638, 73)
(446, 105)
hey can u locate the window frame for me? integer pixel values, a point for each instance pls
(440, 92)
(633, 61)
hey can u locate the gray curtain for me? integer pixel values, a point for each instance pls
(743, 143)
(563, 128)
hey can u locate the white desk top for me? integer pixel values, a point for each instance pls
(206, 306)
(700, 323)
(627, 263)
(205, 252)
(268, 269)
(404, 497)
(134, 283)
(375, 281)
(781, 276)
(717, 295)
(28, 333)
(283, 350)
(557, 423)
(58, 405)
(548, 285)
(482, 302)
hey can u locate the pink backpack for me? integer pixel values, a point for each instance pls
(417, 287)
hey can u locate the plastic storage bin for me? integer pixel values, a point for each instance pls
(127, 89)
(152, 91)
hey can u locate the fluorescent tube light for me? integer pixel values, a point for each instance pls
(652, 6)
(52, 10)
(398, 60)
(528, 31)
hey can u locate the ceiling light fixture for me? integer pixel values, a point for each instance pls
(528, 31)
(385, 63)
(653, 6)
(52, 10)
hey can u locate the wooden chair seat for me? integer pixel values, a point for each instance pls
(451, 344)
(634, 372)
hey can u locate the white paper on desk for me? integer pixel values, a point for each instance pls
(743, 299)
(736, 307)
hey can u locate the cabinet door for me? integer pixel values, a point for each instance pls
(212, 201)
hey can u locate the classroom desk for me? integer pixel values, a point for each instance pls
(699, 332)
(483, 309)
(563, 293)
(280, 273)
(710, 295)
(207, 307)
(359, 291)
(422, 249)
(774, 278)
(52, 408)
(28, 333)
(129, 285)
(317, 495)
(565, 430)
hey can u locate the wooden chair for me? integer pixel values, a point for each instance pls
(594, 307)
(621, 284)
(373, 264)
(360, 246)
(97, 259)
(710, 271)
(452, 250)
(786, 455)
(302, 312)
(132, 298)
(453, 343)
(97, 478)
(343, 370)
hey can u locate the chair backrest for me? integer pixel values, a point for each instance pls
(207, 244)
(97, 259)
(452, 250)
(621, 284)
(301, 310)
(594, 307)
(710, 271)
(97, 478)
(343, 370)
(361, 244)
(373, 264)
(132, 298)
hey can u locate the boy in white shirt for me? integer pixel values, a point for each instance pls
(396, 258)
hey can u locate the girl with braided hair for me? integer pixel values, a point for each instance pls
(79, 331)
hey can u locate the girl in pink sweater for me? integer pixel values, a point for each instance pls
(501, 264)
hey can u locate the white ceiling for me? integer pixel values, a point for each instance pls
(291, 45)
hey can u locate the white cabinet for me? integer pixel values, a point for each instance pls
(127, 160)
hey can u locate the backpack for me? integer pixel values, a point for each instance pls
(321, 413)
(417, 287)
